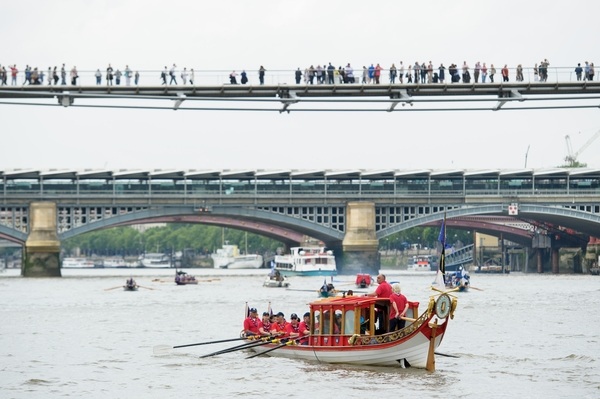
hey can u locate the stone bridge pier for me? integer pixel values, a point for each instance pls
(360, 245)
(42, 248)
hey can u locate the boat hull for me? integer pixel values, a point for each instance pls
(245, 262)
(272, 283)
(409, 347)
(77, 263)
(307, 272)
(155, 260)
(228, 257)
(186, 282)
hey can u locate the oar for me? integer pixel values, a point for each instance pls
(475, 288)
(163, 349)
(445, 292)
(272, 349)
(148, 288)
(113, 288)
(445, 354)
(237, 348)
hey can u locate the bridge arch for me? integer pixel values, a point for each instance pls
(12, 235)
(439, 216)
(290, 230)
(577, 220)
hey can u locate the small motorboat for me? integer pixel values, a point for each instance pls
(130, 285)
(276, 280)
(182, 278)
(327, 290)
(363, 280)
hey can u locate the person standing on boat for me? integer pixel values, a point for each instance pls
(251, 323)
(264, 328)
(384, 289)
(398, 309)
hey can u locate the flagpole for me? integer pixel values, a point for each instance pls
(440, 277)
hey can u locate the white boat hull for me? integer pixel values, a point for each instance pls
(245, 262)
(155, 260)
(77, 263)
(413, 351)
(228, 257)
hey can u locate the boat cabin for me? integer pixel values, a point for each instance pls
(334, 320)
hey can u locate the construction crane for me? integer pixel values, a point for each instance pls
(571, 157)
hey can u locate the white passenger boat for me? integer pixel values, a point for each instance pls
(155, 260)
(114, 262)
(306, 261)
(228, 257)
(420, 264)
(78, 263)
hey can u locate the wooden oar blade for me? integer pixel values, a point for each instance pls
(162, 349)
(113, 288)
(475, 288)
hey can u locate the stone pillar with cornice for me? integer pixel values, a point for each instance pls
(42, 248)
(360, 244)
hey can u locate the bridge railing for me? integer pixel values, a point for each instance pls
(203, 77)
(285, 192)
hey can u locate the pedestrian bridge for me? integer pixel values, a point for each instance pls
(345, 209)
(284, 97)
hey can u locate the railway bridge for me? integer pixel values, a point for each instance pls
(350, 211)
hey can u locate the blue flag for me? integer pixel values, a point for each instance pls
(442, 236)
(442, 240)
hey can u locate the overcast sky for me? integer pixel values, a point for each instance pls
(285, 35)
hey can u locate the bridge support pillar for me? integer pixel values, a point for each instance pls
(540, 260)
(555, 260)
(360, 245)
(42, 248)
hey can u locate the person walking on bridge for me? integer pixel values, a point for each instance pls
(172, 73)
(505, 73)
(109, 75)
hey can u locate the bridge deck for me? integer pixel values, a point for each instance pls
(499, 94)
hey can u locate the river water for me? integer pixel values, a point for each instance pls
(533, 336)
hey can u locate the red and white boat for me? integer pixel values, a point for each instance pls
(351, 329)
(363, 280)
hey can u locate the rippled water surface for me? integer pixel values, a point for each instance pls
(533, 336)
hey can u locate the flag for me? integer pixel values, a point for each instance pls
(440, 280)
(442, 240)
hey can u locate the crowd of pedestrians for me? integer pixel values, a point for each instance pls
(417, 73)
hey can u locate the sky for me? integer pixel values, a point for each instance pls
(284, 35)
